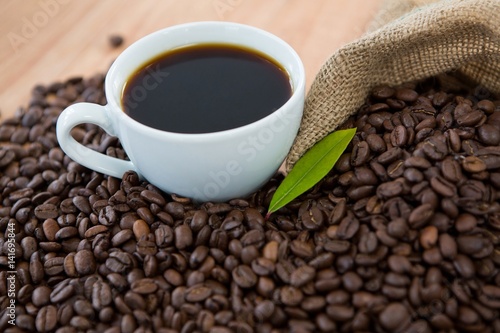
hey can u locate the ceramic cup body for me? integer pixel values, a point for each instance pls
(206, 167)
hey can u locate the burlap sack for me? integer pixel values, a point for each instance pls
(409, 40)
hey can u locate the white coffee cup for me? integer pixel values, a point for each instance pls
(214, 166)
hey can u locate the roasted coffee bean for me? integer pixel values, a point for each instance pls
(469, 118)
(473, 164)
(291, 296)
(348, 227)
(140, 229)
(376, 143)
(406, 94)
(262, 266)
(62, 292)
(421, 215)
(382, 92)
(451, 171)
(488, 134)
(197, 293)
(41, 296)
(46, 319)
(337, 246)
(46, 211)
(464, 266)
(340, 313)
(471, 244)
(338, 212)
(399, 136)
(244, 276)
(360, 154)
(119, 261)
(54, 266)
(435, 147)
(101, 295)
(144, 286)
(302, 275)
(270, 251)
(394, 317)
(428, 237)
(312, 219)
(183, 237)
(447, 246)
(390, 189)
(390, 155)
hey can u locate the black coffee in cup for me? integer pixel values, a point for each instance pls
(206, 88)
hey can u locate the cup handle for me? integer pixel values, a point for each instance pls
(81, 113)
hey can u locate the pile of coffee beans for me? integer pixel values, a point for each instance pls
(402, 236)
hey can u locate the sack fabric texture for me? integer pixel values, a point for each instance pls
(408, 40)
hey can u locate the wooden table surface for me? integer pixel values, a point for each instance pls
(44, 41)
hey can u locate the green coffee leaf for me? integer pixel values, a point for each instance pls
(311, 167)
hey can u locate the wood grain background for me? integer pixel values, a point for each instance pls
(43, 41)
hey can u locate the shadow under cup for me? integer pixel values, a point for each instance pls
(215, 166)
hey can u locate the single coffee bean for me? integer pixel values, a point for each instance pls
(46, 319)
(84, 262)
(429, 237)
(302, 275)
(394, 317)
(348, 227)
(447, 246)
(119, 261)
(470, 244)
(382, 92)
(62, 292)
(262, 266)
(183, 237)
(270, 251)
(101, 295)
(36, 268)
(54, 266)
(435, 147)
(421, 215)
(144, 286)
(312, 219)
(340, 312)
(470, 118)
(41, 296)
(443, 187)
(375, 143)
(46, 211)
(122, 237)
(360, 154)
(399, 136)
(140, 229)
(291, 296)
(95, 230)
(244, 276)
(390, 155)
(465, 222)
(197, 293)
(413, 175)
(406, 94)
(473, 164)
(489, 135)
(464, 266)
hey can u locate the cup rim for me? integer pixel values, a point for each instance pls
(116, 107)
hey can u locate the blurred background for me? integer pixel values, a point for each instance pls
(44, 41)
